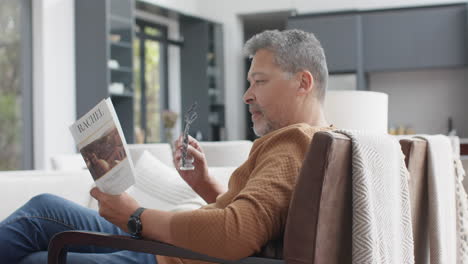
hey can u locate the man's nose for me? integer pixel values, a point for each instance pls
(248, 96)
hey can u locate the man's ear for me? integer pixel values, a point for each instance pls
(306, 83)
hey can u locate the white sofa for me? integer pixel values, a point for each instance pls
(71, 181)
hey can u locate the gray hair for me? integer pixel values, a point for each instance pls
(295, 50)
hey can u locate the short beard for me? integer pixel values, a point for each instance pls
(269, 125)
(266, 129)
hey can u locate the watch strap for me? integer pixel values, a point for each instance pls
(138, 212)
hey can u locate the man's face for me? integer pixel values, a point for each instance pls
(271, 94)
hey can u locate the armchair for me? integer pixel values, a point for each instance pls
(318, 228)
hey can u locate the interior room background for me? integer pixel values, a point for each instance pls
(156, 55)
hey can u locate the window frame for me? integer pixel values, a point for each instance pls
(25, 156)
(26, 84)
(164, 96)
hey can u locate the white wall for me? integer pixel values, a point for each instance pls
(425, 99)
(189, 7)
(53, 79)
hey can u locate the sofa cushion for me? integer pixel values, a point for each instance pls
(68, 162)
(161, 151)
(20, 186)
(226, 153)
(159, 186)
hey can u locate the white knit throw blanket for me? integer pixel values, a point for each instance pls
(442, 207)
(461, 199)
(382, 230)
(462, 213)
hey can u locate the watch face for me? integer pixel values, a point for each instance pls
(134, 223)
(132, 226)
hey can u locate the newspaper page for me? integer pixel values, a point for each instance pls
(100, 140)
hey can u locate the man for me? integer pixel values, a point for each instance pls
(288, 78)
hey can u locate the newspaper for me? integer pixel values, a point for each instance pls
(100, 140)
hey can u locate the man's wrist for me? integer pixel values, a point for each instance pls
(208, 189)
(202, 186)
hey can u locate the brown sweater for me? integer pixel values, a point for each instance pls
(253, 211)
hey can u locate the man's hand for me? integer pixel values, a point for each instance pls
(116, 209)
(199, 179)
(200, 173)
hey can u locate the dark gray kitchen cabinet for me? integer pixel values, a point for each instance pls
(391, 39)
(415, 38)
(339, 35)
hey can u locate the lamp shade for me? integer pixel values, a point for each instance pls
(357, 110)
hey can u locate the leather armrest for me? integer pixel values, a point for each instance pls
(58, 248)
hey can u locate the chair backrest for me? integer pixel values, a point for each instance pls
(415, 151)
(319, 224)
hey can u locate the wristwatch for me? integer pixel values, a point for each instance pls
(134, 223)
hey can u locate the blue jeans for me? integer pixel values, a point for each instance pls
(25, 235)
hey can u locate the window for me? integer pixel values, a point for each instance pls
(150, 71)
(15, 85)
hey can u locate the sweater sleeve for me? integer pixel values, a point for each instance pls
(257, 214)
